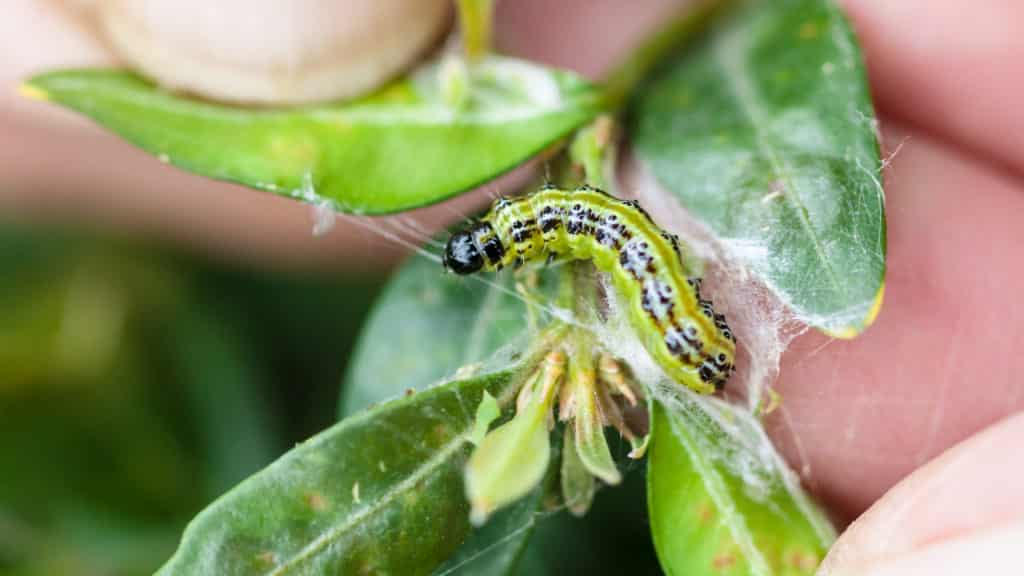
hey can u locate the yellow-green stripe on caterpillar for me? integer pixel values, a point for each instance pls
(692, 343)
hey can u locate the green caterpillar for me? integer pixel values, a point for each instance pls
(692, 343)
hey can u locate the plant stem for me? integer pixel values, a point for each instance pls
(567, 286)
(592, 148)
(476, 18)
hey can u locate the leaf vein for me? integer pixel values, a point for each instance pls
(728, 48)
(719, 495)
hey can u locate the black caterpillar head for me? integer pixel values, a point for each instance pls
(461, 254)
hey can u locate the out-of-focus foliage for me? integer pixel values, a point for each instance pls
(138, 384)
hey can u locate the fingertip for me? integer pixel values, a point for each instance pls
(994, 551)
(961, 503)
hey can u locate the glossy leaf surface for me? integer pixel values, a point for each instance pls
(765, 131)
(400, 148)
(324, 506)
(722, 501)
(427, 325)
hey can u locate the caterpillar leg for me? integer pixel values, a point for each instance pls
(694, 266)
(556, 259)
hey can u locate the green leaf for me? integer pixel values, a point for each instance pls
(722, 501)
(766, 132)
(397, 149)
(511, 460)
(376, 493)
(590, 444)
(495, 548)
(577, 483)
(487, 412)
(427, 324)
(222, 386)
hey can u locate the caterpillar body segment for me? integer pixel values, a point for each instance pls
(680, 330)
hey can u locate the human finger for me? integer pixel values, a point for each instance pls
(589, 36)
(959, 513)
(939, 363)
(955, 69)
(264, 51)
(942, 360)
(985, 552)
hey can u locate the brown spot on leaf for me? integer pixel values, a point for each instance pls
(705, 514)
(723, 561)
(266, 559)
(805, 562)
(440, 433)
(316, 501)
(809, 31)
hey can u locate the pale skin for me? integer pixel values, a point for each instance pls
(863, 419)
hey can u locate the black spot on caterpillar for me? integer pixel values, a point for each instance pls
(678, 328)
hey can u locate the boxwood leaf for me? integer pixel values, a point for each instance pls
(427, 325)
(379, 492)
(495, 548)
(510, 462)
(721, 500)
(765, 131)
(397, 149)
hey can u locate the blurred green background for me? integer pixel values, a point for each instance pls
(138, 382)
